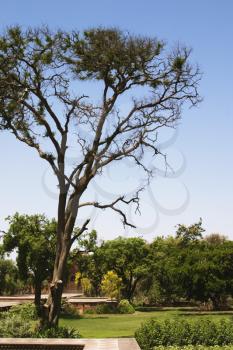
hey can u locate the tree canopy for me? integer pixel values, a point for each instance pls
(42, 104)
(33, 237)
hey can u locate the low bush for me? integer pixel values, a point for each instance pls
(106, 309)
(181, 333)
(124, 307)
(68, 310)
(26, 311)
(14, 326)
(20, 322)
(58, 332)
(89, 312)
(194, 347)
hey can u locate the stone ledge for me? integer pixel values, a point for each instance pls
(88, 344)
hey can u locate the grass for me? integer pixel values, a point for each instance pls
(117, 326)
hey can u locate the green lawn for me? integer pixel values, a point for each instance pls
(107, 326)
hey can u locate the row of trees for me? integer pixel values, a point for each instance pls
(185, 267)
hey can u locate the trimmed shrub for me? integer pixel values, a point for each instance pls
(194, 347)
(124, 307)
(181, 333)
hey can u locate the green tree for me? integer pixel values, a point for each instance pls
(41, 105)
(33, 237)
(206, 272)
(192, 233)
(128, 258)
(160, 284)
(8, 277)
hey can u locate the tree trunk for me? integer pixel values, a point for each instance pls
(67, 214)
(37, 299)
(216, 301)
(53, 304)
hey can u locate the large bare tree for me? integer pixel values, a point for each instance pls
(41, 75)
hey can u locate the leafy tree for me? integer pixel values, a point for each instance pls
(111, 285)
(190, 233)
(8, 277)
(83, 257)
(41, 106)
(160, 283)
(127, 257)
(206, 272)
(33, 237)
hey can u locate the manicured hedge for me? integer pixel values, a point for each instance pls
(194, 347)
(181, 333)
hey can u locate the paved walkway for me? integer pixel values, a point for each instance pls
(89, 344)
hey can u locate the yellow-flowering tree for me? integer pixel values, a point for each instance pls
(85, 283)
(111, 285)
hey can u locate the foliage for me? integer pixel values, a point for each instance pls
(194, 347)
(8, 277)
(124, 307)
(89, 312)
(106, 309)
(206, 272)
(191, 233)
(34, 238)
(57, 332)
(160, 284)
(85, 283)
(111, 285)
(128, 258)
(18, 323)
(180, 332)
(189, 268)
(26, 311)
(67, 309)
(14, 326)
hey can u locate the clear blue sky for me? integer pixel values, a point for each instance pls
(204, 143)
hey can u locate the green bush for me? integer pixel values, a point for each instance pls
(68, 309)
(194, 347)
(89, 312)
(58, 332)
(14, 326)
(106, 309)
(18, 323)
(26, 311)
(124, 307)
(181, 333)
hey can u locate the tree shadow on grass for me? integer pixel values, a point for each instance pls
(150, 308)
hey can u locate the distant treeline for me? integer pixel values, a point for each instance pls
(169, 270)
(184, 268)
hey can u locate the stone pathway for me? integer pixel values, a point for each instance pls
(89, 344)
